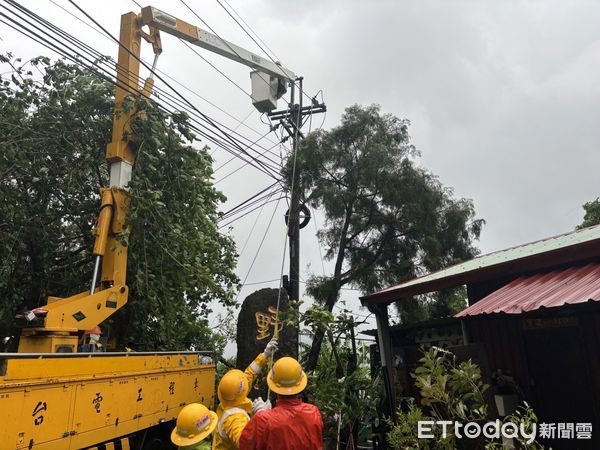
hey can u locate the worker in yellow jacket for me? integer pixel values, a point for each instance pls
(235, 406)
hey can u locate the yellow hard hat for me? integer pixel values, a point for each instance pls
(194, 423)
(233, 388)
(287, 377)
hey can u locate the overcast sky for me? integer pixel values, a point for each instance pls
(503, 97)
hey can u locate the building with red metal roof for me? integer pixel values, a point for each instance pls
(533, 311)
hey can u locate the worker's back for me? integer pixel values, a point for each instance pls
(291, 425)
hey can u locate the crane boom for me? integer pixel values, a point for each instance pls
(154, 17)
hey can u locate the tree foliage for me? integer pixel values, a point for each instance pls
(341, 384)
(52, 165)
(403, 434)
(592, 214)
(452, 391)
(387, 219)
(435, 305)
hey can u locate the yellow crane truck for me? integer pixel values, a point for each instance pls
(54, 397)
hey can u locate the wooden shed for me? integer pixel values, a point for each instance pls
(534, 312)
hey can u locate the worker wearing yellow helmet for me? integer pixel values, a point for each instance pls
(194, 424)
(235, 406)
(292, 424)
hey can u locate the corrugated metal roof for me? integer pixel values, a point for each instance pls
(512, 260)
(557, 288)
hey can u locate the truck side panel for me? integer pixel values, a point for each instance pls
(34, 415)
(67, 409)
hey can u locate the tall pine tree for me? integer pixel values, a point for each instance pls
(387, 219)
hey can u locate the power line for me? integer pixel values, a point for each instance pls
(63, 49)
(36, 37)
(66, 46)
(261, 282)
(261, 154)
(251, 230)
(249, 207)
(187, 88)
(223, 40)
(250, 28)
(238, 169)
(210, 121)
(245, 31)
(94, 65)
(232, 49)
(254, 40)
(260, 246)
(248, 212)
(242, 122)
(251, 198)
(215, 67)
(248, 202)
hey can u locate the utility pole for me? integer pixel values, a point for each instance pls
(291, 120)
(294, 213)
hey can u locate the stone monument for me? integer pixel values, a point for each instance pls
(257, 323)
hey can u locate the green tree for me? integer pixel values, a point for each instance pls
(341, 384)
(387, 219)
(592, 214)
(55, 130)
(436, 305)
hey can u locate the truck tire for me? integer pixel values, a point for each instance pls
(155, 443)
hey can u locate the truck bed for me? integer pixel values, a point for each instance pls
(77, 400)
